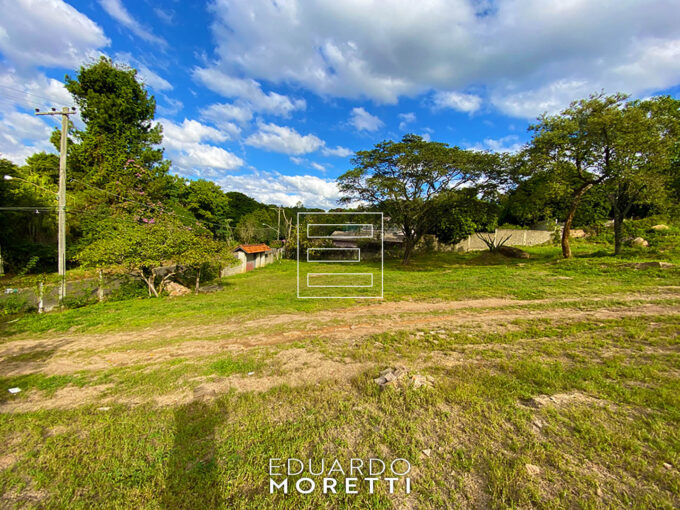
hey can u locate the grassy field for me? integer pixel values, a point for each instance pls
(555, 384)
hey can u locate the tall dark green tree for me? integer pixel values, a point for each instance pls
(119, 149)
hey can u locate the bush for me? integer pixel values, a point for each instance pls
(13, 304)
(129, 288)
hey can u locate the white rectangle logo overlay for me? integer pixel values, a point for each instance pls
(340, 255)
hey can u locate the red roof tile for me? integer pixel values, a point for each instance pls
(253, 248)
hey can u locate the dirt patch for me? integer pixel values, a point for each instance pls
(286, 324)
(27, 497)
(561, 399)
(7, 461)
(64, 398)
(358, 323)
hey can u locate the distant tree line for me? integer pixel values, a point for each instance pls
(602, 157)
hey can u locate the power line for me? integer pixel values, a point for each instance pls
(32, 94)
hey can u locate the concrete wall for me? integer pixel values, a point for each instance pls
(517, 238)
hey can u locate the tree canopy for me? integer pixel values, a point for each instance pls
(406, 179)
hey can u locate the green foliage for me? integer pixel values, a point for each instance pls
(140, 247)
(543, 196)
(459, 214)
(405, 180)
(240, 205)
(251, 228)
(626, 148)
(207, 202)
(13, 304)
(118, 151)
(128, 288)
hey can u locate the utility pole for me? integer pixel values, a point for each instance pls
(65, 112)
(278, 223)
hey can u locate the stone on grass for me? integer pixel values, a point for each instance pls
(420, 381)
(390, 377)
(175, 289)
(533, 470)
(651, 265)
(660, 227)
(639, 241)
(427, 452)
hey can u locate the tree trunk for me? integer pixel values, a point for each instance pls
(198, 279)
(408, 248)
(618, 231)
(566, 232)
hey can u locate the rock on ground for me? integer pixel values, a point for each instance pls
(639, 241)
(175, 289)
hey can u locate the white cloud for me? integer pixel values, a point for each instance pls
(21, 135)
(517, 51)
(144, 74)
(203, 156)
(406, 119)
(117, 11)
(509, 143)
(283, 139)
(189, 152)
(248, 93)
(169, 106)
(49, 33)
(364, 121)
(166, 16)
(221, 112)
(287, 190)
(341, 152)
(468, 103)
(318, 166)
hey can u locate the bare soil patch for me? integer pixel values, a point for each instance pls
(98, 352)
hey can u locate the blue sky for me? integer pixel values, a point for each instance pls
(271, 98)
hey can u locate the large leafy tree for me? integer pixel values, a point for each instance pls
(142, 246)
(605, 141)
(119, 149)
(406, 179)
(543, 196)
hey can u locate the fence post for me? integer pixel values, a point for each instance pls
(100, 289)
(41, 307)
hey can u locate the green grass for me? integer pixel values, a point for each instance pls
(214, 454)
(612, 441)
(272, 290)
